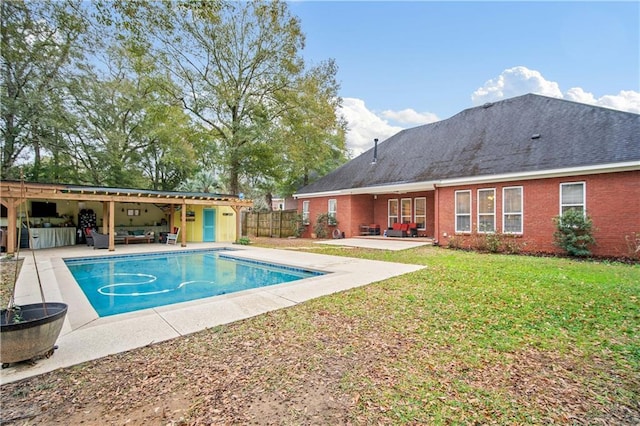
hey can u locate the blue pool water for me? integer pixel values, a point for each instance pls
(118, 284)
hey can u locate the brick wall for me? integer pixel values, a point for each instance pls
(360, 212)
(351, 209)
(612, 202)
(356, 210)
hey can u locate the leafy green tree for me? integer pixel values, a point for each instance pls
(172, 155)
(313, 134)
(146, 93)
(37, 41)
(255, 57)
(231, 62)
(128, 131)
(203, 181)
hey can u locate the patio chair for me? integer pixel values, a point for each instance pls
(87, 236)
(100, 241)
(172, 238)
(398, 230)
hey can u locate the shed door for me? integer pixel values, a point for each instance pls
(209, 225)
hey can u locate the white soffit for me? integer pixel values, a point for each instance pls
(544, 174)
(401, 188)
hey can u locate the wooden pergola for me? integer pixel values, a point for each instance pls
(13, 193)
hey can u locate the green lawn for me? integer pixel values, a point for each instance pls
(482, 338)
(471, 339)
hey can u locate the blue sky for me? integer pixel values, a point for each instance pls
(402, 64)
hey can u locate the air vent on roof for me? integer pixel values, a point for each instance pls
(375, 151)
(535, 136)
(487, 105)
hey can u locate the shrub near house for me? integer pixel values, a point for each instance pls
(574, 233)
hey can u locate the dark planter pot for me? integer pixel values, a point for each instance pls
(34, 336)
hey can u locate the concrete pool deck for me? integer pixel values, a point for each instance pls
(85, 336)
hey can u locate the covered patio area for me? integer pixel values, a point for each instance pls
(18, 198)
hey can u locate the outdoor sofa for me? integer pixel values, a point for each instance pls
(403, 230)
(136, 236)
(98, 240)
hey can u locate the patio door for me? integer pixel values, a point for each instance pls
(209, 225)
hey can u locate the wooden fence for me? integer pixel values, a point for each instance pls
(275, 224)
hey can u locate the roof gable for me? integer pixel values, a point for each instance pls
(524, 134)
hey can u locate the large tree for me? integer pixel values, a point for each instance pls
(38, 39)
(164, 89)
(232, 65)
(232, 62)
(126, 130)
(313, 131)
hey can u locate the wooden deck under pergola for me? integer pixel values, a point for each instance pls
(14, 193)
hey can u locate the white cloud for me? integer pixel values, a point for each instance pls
(578, 94)
(514, 82)
(521, 80)
(410, 117)
(626, 100)
(364, 126)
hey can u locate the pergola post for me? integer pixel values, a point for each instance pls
(112, 227)
(237, 210)
(105, 215)
(183, 225)
(12, 225)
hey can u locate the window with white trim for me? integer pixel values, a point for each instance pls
(305, 212)
(486, 210)
(333, 211)
(405, 210)
(420, 212)
(463, 211)
(392, 212)
(572, 197)
(512, 210)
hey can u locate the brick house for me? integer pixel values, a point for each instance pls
(507, 167)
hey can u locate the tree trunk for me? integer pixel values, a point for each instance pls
(268, 197)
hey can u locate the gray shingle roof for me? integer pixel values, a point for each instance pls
(495, 139)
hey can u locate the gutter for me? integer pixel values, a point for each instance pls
(405, 187)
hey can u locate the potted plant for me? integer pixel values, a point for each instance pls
(30, 331)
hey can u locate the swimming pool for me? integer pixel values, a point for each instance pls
(119, 284)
